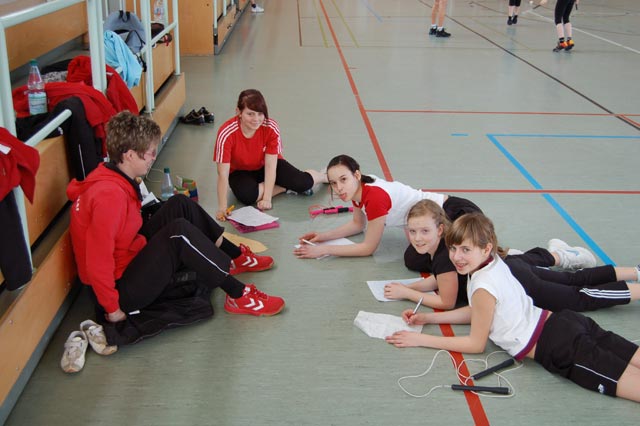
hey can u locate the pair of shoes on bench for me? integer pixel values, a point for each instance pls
(75, 348)
(199, 117)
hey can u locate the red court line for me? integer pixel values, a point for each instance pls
(444, 111)
(473, 401)
(475, 406)
(537, 191)
(354, 90)
(626, 118)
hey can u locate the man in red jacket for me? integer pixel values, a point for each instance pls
(129, 264)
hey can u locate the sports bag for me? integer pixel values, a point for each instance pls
(128, 26)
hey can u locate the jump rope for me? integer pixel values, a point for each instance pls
(500, 391)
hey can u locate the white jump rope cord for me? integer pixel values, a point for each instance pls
(463, 379)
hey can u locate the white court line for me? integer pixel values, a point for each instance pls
(587, 33)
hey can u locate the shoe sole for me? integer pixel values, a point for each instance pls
(255, 314)
(108, 350)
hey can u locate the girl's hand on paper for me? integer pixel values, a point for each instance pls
(396, 291)
(307, 251)
(405, 339)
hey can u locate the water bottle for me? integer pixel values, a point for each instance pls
(167, 185)
(158, 11)
(35, 91)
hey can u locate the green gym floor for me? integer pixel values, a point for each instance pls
(547, 144)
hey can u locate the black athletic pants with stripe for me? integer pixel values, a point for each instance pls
(180, 235)
(583, 290)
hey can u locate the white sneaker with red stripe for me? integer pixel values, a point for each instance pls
(248, 261)
(254, 302)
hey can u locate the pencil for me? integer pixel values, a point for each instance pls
(308, 242)
(417, 306)
(230, 209)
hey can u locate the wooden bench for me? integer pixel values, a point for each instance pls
(36, 312)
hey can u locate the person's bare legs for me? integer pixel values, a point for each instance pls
(629, 382)
(434, 12)
(318, 177)
(442, 10)
(276, 191)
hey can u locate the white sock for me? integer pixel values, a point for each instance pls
(440, 28)
(638, 272)
(434, 26)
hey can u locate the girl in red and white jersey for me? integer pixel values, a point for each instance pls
(376, 203)
(248, 154)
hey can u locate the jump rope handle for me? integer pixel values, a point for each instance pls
(507, 363)
(493, 389)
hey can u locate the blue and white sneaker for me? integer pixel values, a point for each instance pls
(571, 258)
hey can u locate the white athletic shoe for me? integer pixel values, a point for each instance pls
(97, 339)
(257, 9)
(74, 349)
(571, 258)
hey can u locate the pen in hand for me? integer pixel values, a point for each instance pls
(417, 306)
(308, 242)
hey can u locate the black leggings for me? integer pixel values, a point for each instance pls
(515, 3)
(244, 183)
(563, 10)
(584, 290)
(181, 235)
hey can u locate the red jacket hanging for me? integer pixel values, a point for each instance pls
(18, 167)
(97, 108)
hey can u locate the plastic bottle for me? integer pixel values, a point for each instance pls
(167, 185)
(158, 11)
(35, 93)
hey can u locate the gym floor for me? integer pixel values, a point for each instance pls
(547, 144)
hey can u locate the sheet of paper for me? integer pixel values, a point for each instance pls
(377, 287)
(5, 149)
(251, 216)
(336, 242)
(380, 326)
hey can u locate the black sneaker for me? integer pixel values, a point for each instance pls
(193, 118)
(442, 33)
(509, 20)
(515, 19)
(560, 46)
(570, 44)
(433, 31)
(208, 116)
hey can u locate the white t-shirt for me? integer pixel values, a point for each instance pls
(515, 317)
(393, 199)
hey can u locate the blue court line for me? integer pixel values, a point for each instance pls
(557, 207)
(368, 6)
(459, 134)
(525, 135)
